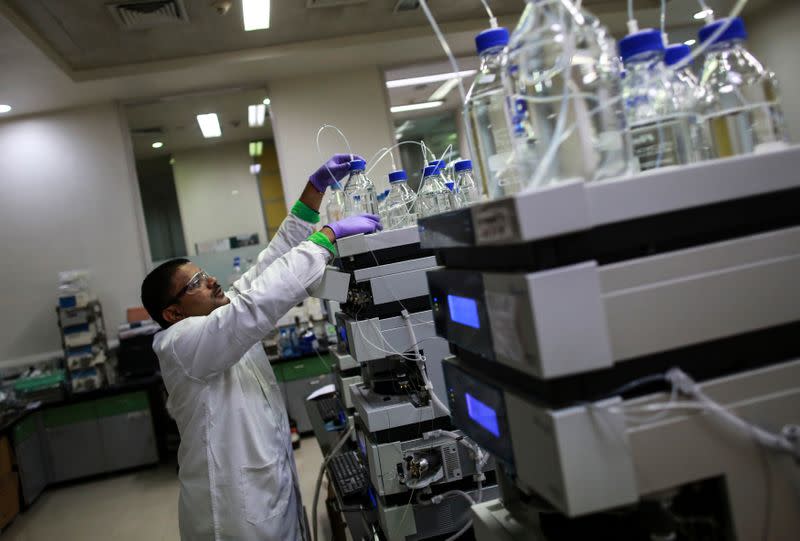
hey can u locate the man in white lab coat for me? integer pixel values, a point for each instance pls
(237, 473)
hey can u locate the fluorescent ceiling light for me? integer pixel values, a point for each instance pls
(209, 125)
(5, 108)
(413, 81)
(702, 14)
(690, 42)
(255, 14)
(256, 148)
(255, 168)
(157, 144)
(266, 101)
(255, 115)
(442, 92)
(416, 106)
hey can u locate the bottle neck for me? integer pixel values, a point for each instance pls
(727, 45)
(491, 59)
(645, 59)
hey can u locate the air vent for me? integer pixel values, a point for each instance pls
(141, 15)
(332, 3)
(406, 5)
(147, 132)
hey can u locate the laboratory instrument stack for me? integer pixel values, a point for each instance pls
(83, 334)
(616, 346)
(391, 358)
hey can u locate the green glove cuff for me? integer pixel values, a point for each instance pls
(305, 213)
(320, 239)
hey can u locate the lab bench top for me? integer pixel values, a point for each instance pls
(9, 418)
(308, 366)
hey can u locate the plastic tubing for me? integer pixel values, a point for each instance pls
(453, 64)
(544, 164)
(698, 51)
(319, 150)
(492, 18)
(321, 475)
(387, 150)
(777, 442)
(421, 362)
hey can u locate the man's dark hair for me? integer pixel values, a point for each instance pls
(156, 289)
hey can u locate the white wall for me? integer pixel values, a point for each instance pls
(355, 102)
(774, 40)
(217, 195)
(69, 201)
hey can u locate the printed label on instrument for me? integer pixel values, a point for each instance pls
(506, 337)
(495, 224)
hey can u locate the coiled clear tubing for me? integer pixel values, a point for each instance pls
(563, 78)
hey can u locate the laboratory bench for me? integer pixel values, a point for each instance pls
(85, 434)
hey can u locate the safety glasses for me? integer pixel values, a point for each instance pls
(195, 282)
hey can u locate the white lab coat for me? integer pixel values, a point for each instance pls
(237, 472)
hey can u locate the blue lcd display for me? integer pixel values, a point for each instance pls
(464, 311)
(482, 414)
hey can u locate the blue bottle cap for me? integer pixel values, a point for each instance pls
(646, 40)
(450, 185)
(462, 165)
(358, 165)
(397, 176)
(735, 30)
(439, 164)
(675, 53)
(430, 170)
(494, 37)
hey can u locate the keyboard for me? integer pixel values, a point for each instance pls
(329, 408)
(349, 474)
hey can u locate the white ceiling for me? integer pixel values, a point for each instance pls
(36, 78)
(175, 118)
(85, 35)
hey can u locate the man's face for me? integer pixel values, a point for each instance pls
(200, 301)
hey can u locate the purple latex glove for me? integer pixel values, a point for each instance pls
(353, 225)
(337, 167)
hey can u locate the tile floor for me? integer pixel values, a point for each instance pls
(135, 506)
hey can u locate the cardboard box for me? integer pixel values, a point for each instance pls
(9, 498)
(137, 314)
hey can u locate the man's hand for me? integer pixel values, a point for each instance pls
(352, 225)
(332, 171)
